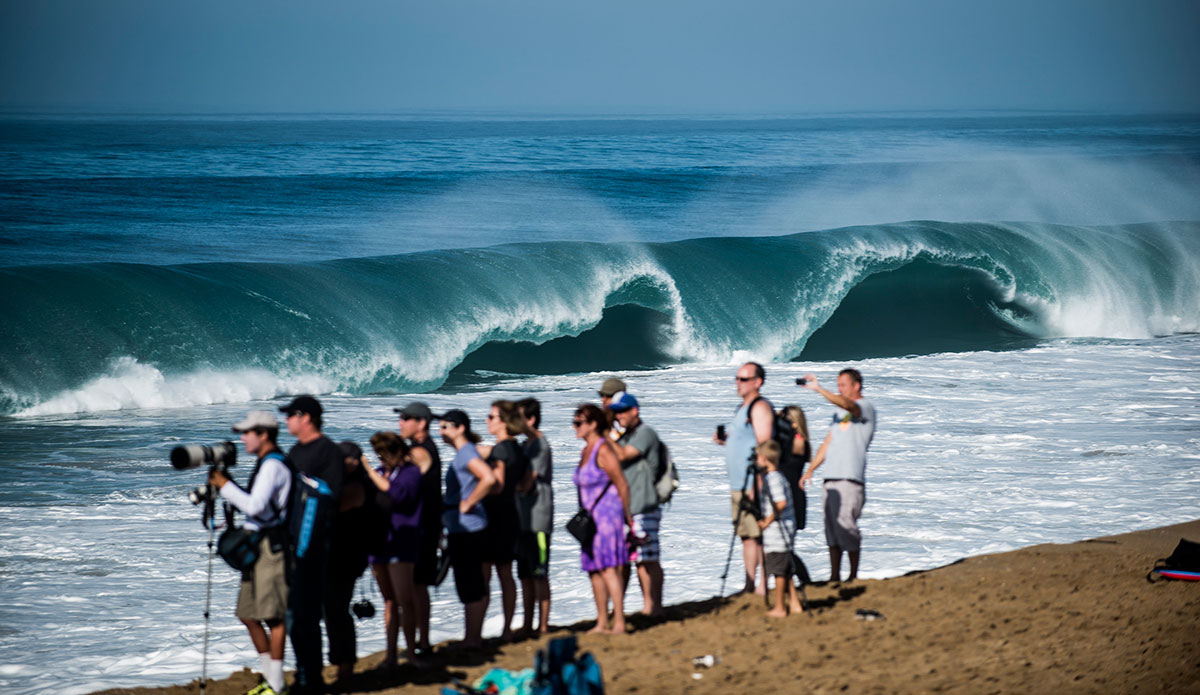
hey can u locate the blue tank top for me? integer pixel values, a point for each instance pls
(739, 446)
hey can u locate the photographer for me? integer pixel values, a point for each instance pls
(262, 597)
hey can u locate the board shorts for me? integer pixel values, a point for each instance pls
(645, 527)
(843, 506)
(263, 593)
(747, 526)
(533, 555)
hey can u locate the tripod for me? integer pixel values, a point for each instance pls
(208, 518)
(751, 469)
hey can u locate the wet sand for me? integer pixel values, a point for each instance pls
(1074, 618)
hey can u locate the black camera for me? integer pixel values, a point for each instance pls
(363, 609)
(219, 456)
(800, 381)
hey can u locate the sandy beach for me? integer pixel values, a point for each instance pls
(1073, 618)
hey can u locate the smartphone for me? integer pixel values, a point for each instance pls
(721, 432)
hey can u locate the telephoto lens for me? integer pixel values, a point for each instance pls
(196, 455)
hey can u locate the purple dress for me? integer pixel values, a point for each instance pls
(608, 547)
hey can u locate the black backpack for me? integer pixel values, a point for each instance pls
(791, 465)
(1186, 558)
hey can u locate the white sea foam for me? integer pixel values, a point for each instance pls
(131, 384)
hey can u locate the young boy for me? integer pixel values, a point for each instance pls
(778, 526)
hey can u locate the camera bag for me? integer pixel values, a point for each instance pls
(582, 525)
(239, 547)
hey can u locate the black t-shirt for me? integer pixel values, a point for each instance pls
(320, 458)
(502, 508)
(431, 489)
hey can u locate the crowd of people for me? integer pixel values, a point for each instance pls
(411, 520)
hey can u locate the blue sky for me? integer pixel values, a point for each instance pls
(563, 56)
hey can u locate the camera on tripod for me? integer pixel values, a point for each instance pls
(219, 457)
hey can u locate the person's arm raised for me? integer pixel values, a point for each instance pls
(849, 404)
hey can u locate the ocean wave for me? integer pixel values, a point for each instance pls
(90, 337)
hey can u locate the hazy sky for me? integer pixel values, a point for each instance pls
(701, 56)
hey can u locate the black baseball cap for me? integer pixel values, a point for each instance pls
(415, 411)
(303, 404)
(456, 416)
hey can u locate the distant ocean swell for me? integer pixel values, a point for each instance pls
(94, 337)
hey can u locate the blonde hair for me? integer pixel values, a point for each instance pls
(795, 414)
(770, 451)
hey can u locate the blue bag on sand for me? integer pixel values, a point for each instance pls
(558, 672)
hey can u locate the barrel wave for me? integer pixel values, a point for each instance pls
(94, 337)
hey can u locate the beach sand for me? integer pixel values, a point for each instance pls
(1074, 618)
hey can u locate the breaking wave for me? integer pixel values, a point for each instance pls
(88, 337)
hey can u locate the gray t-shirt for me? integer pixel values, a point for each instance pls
(846, 456)
(639, 472)
(535, 509)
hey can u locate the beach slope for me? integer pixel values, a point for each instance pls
(1073, 618)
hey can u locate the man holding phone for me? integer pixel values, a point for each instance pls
(844, 452)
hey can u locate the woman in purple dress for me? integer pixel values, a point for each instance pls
(399, 479)
(604, 492)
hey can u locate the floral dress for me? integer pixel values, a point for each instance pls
(609, 548)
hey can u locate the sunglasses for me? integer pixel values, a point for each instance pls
(578, 423)
(745, 378)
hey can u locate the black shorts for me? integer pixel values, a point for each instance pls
(499, 543)
(777, 564)
(533, 555)
(425, 571)
(466, 557)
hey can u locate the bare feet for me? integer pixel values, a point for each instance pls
(795, 608)
(776, 613)
(600, 629)
(617, 629)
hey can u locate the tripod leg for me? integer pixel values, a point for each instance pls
(212, 530)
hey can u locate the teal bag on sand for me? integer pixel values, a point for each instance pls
(558, 672)
(507, 682)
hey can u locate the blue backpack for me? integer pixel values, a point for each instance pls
(558, 672)
(310, 512)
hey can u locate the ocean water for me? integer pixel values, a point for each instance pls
(1021, 292)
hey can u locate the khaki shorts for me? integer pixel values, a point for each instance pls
(263, 592)
(747, 526)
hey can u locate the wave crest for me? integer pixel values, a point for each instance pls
(104, 336)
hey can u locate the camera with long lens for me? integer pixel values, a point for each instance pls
(218, 457)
